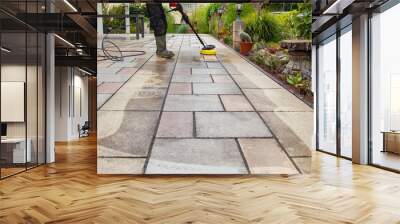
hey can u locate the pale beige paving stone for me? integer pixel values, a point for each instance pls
(222, 79)
(215, 88)
(180, 89)
(136, 99)
(230, 125)
(196, 156)
(275, 100)
(208, 71)
(125, 133)
(264, 156)
(236, 103)
(294, 131)
(176, 125)
(120, 165)
(192, 78)
(193, 103)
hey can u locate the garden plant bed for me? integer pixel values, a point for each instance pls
(307, 99)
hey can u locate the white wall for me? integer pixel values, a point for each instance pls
(70, 84)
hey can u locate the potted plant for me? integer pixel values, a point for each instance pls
(245, 43)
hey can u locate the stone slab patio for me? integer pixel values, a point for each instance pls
(197, 114)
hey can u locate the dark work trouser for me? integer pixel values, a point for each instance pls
(158, 20)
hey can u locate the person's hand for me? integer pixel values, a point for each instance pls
(172, 5)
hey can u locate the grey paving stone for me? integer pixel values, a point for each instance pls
(195, 156)
(292, 132)
(214, 65)
(304, 164)
(191, 78)
(102, 98)
(244, 82)
(125, 133)
(193, 103)
(236, 103)
(222, 79)
(148, 81)
(265, 156)
(180, 89)
(176, 125)
(208, 71)
(260, 81)
(120, 165)
(230, 124)
(275, 100)
(136, 99)
(215, 88)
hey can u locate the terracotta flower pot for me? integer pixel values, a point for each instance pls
(245, 47)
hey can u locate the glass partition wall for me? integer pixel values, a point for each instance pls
(22, 77)
(334, 104)
(385, 89)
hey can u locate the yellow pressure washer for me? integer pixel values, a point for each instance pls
(207, 49)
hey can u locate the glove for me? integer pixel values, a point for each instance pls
(172, 5)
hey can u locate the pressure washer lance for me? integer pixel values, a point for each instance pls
(207, 49)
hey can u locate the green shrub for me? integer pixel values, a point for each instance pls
(199, 19)
(230, 14)
(228, 40)
(183, 28)
(264, 28)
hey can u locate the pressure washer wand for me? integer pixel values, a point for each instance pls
(185, 17)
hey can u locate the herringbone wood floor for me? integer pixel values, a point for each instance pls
(69, 191)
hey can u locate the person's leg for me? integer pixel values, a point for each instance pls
(158, 23)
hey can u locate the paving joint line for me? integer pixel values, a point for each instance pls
(162, 109)
(272, 133)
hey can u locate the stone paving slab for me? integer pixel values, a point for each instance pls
(109, 87)
(193, 103)
(120, 165)
(215, 88)
(208, 71)
(102, 98)
(196, 156)
(288, 130)
(180, 89)
(275, 100)
(191, 78)
(230, 124)
(236, 103)
(136, 99)
(125, 133)
(222, 79)
(176, 125)
(266, 156)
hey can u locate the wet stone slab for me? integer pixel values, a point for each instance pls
(191, 78)
(230, 124)
(193, 103)
(136, 99)
(125, 133)
(208, 71)
(196, 156)
(215, 88)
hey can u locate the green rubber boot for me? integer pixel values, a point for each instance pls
(161, 42)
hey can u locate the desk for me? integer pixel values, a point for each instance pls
(391, 141)
(15, 148)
